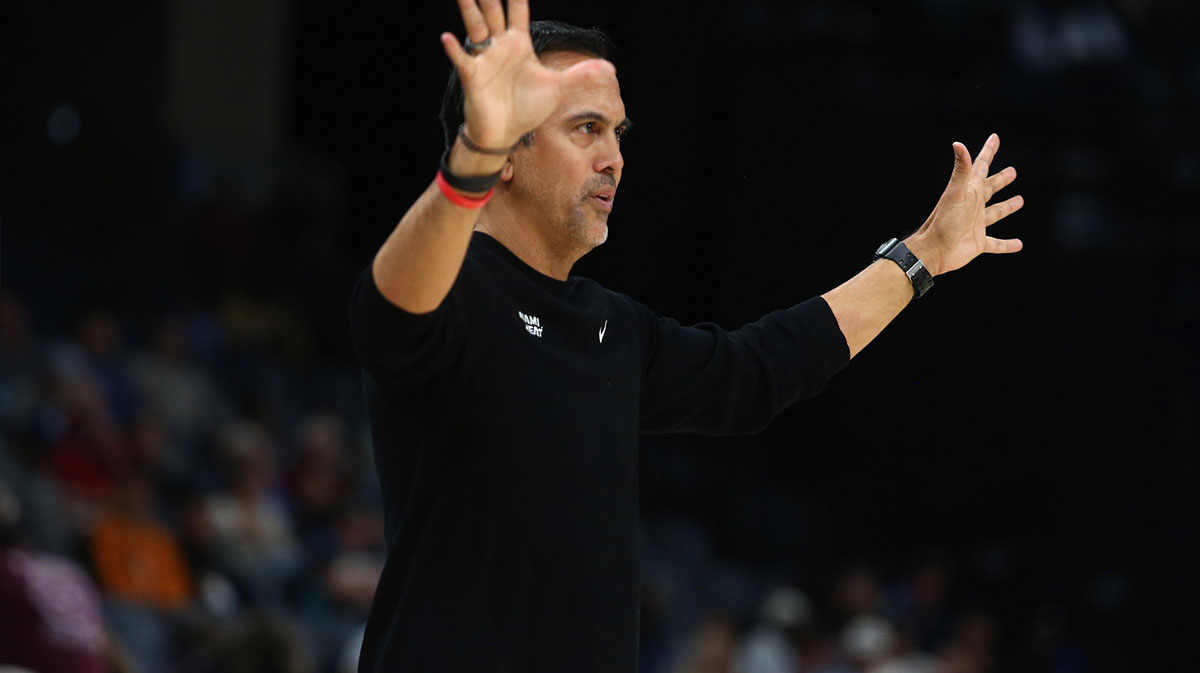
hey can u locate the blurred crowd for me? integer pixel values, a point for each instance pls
(176, 503)
(856, 619)
(160, 516)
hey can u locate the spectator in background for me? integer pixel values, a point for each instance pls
(44, 524)
(856, 591)
(175, 390)
(252, 531)
(905, 659)
(974, 640)
(167, 463)
(139, 566)
(348, 583)
(343, 544)
(866, 643)
(137, 559)
(954, 659)
(320, 483)
(1048, 649)
(352, 575)
(100, 346)
(216, 594)
(710, 649)
(920, 601)
(20, 367)
(254, 644)
(773, 646)
(50, 619)
(92, 449)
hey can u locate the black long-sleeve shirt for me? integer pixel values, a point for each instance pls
(505, 427)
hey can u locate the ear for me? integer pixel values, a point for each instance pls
(506, 173)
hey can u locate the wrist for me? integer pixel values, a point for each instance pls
(467, 163)
(914, 268)
(485, 140)
(926, 252)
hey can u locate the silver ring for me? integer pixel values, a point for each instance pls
(472, 48)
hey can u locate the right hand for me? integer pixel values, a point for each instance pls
(956, 231)
(507, 91)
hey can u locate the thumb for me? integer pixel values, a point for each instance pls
(962, 164)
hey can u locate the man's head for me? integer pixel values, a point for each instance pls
(564, 174)
(547, 36)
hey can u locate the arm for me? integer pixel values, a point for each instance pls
(705, 379)
(952, 235)
(713, 381)
(507, 92)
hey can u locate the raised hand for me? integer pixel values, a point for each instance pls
(508, 92)
(956, 231)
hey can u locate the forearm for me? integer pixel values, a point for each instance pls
(713, 381)
(866, 303)
(416, 267)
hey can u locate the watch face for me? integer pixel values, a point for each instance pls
(883, 249)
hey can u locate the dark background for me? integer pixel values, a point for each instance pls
(1033, 418)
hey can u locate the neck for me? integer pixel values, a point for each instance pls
(530, 239)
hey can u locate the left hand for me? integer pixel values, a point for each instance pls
(955, 232)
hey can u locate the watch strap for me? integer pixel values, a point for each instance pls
(914, 268)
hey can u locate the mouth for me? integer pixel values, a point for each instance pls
(604, 198)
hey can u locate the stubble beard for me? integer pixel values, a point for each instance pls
(587, 225)
(586, 228)
(580, 226)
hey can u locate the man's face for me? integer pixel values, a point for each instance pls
(570, 172)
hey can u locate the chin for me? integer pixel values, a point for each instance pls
(601, 233)
(597, 234)
(588, 232)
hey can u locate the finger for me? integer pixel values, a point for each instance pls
(1002, 246)
(458, 55)
(993, 214)
(493, 13)
(962, 164)
(518, 14)
(1000, 180)
(477, 27)
(983, 161)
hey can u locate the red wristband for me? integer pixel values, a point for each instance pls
(458, 199)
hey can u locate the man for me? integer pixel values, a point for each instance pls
(506, 397)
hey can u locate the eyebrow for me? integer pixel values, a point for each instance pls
(592, 115)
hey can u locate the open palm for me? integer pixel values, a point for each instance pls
(956, 231)
(507, 91)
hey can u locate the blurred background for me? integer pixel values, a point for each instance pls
(190, 186)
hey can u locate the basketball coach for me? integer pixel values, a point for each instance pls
(506, 396)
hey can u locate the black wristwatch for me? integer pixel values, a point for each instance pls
(914, 268)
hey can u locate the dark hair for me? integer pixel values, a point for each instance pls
(547, 36)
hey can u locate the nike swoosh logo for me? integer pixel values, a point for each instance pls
(602, 329)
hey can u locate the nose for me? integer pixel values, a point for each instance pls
(609, 159)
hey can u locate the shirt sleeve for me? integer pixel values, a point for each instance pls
(401, 350)
(709, 380)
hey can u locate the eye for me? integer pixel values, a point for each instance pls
(588, 127)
